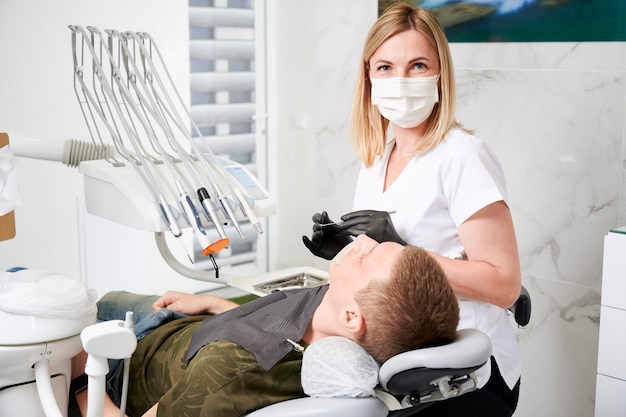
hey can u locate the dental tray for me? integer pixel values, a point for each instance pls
(303, 280)
(284, 279)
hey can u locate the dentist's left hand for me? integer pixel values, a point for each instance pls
(192, 304)
(375, 224)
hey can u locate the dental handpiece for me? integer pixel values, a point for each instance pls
(207, 205)
(229, 211)
(192, 216)
(208, 247)
(169, 218)
(254, 221)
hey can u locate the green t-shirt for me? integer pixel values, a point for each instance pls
(222, 380)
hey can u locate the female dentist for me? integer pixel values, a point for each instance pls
(444, 187)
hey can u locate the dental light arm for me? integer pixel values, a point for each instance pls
(70, 152)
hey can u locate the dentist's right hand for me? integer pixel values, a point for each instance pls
(327, 238)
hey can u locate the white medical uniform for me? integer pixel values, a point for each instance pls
(433, 195)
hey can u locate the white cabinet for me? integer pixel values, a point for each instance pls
(611, 380)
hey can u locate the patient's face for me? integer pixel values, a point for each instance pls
(360, 262)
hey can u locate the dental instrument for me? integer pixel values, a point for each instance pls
(248, 210)
(139, 160)
(124, 88)
(323, 225)
(206, 153)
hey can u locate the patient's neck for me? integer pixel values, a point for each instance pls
(325, 322)
(313, 335)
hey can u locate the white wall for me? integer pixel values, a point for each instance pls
(554, 113)
(314, 47)
(291, 128)
(37, 100)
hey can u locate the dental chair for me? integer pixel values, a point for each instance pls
(41, 318)
(408, 382)
(411, 381)
(35, 354)
(35, 363)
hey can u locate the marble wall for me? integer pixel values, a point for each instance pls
(554, 114)
(559, 135)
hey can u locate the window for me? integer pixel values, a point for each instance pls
(226, 97)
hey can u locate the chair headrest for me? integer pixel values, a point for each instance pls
(470, 350)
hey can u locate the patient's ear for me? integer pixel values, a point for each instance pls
(353, 321)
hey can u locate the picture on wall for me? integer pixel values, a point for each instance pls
(527, 20)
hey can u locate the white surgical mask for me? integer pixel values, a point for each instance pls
(405, 102)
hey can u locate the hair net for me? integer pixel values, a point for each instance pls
(338, 367)
(39, 293)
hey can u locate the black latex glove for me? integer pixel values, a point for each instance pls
(375, 224)
(327, 238)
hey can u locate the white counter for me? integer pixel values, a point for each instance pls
(611, 378)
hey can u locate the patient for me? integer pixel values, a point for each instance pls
(386, 297)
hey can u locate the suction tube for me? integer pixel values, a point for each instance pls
(70, 152)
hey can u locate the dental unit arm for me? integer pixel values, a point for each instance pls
(115, 192)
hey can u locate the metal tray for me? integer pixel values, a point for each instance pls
(302, 280)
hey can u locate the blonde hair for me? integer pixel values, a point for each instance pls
(414, 308)
(367, 127)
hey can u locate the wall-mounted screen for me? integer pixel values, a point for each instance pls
(527, 20)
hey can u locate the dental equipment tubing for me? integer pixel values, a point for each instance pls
(129, 106)
(70, 152)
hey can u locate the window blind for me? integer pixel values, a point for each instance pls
(223, 105)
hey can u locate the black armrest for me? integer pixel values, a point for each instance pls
(522, 308)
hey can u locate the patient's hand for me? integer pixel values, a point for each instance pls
(192, 304)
